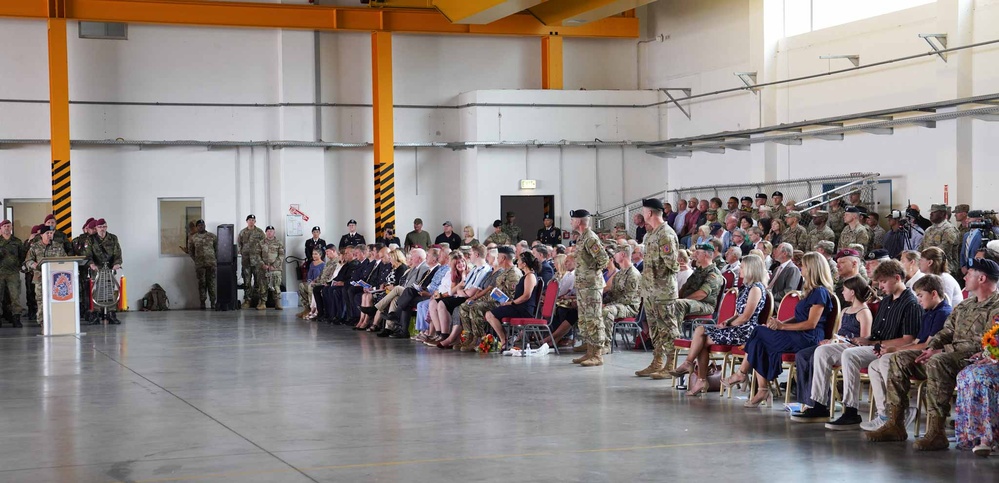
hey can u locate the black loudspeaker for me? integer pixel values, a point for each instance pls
(226, 275)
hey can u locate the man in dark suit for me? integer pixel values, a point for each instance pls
(418, 268)
(335, 295)
(786, 277)
(352, 237)
(543, 254)
(367, 255)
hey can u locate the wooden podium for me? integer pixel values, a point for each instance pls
(61, 295)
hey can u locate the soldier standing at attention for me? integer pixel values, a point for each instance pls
(550, 235)
(12, 254)
(854, 231)
(498, 237)
(658, 286)
(510, 227)
(820, 231)
(44, 248)
(59, 237)
(779, 210)
(271, 259)
(104, 251)
(352, 238)
(591, 258)
(623, 299)
(943, 235)
(81, 245)
(795, 234)
(314, 243)
(249, 248)
(29, 275)
(202, 246)
(836, 215)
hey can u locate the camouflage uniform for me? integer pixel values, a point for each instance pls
(37, 253)
(851, 235)
(797, 237)
(658, 287)
(877, 237)
(512, 231)
(499, 239)
(271, 255)
(12, 255)
(836, 222)
(708, 279)
(202, 247)
(473, 317)
(777, 212)
(820, 234)
(943, 235)
(81, 246)
(63, 240)
(623, 301)
(959, 339)
(591, 259)
(253, 277)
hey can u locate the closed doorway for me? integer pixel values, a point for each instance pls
(26, 213)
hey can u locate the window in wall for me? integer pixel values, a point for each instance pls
(177, 218)
(801, 16)
(104, 30)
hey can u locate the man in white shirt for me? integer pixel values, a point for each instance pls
(681, 216)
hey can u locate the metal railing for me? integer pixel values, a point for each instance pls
(800, 191)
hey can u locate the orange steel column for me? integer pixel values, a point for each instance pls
(59, 116)
(551, 62)
(381, 77)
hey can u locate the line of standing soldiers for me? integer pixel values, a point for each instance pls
(101, 249)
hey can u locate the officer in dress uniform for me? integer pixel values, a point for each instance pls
(315, 243)
(550, 235)
(351, 238)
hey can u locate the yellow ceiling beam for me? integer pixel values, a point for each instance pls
(577, 12)
(307, 17)
(482, 11)
(401, 4)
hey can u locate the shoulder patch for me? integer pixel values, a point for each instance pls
(594, 248)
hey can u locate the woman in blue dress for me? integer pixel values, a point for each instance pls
(767, 344)
(735, 330)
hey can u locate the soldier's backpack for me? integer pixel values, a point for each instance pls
(155, 299)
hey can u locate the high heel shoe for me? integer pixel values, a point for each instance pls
(735, 380)
(374, 328)
(758, 401)
(700, 388)
(682, 369)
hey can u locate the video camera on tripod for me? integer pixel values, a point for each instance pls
(984, 224)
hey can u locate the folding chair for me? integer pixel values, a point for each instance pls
(716, 352)
(629, 325)
(538, 325)
(831, 327)
(737, 354)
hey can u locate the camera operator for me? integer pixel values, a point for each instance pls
(980, 231)
(903, 234)
(918, 220)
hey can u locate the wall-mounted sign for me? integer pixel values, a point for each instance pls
(528, 184)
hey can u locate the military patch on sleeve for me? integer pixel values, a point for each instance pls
(595, 248)
(667, 249)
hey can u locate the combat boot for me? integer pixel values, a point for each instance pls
(935, 438)
(589, 353)
(16, 320)
(202, 305)
(595, 359)
(656, 366)
(661, 374)
(277, 304)
(892, 430)
(579, 349)
(246, 303)
(262, 305)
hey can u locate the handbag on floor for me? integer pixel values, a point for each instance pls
(714, 377)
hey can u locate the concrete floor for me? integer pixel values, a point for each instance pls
(263, 397)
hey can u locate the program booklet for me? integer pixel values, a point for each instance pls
(499, 296)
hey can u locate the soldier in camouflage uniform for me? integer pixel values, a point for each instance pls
(836, 216)
(873, 221)
(961, 220)
(779, 211)
(821, 232)
(473, 317)
(249, 241)
(202, 247)
(44, 248)
(623, 299)
(658, 285)
(795, 234)
(29, 274)
(854, 231)
(511, 229)
(944, 236)
(945, 355)
(12, 255)
(104, 251)
(698, 296)
(761, 201)
(59, 237)
(498, 237)
(271, 260)
(81, 246)
(591, 258)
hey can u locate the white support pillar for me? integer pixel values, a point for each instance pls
(954, 80)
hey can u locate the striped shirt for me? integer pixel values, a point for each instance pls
(897, 317)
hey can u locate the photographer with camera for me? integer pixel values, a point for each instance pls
(903, 233)
(980, 231)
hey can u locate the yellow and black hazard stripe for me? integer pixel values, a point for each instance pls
(384, 196)
(62, 196)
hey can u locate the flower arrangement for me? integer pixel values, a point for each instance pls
(990, 342)
(488, 344)
(465, 336)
